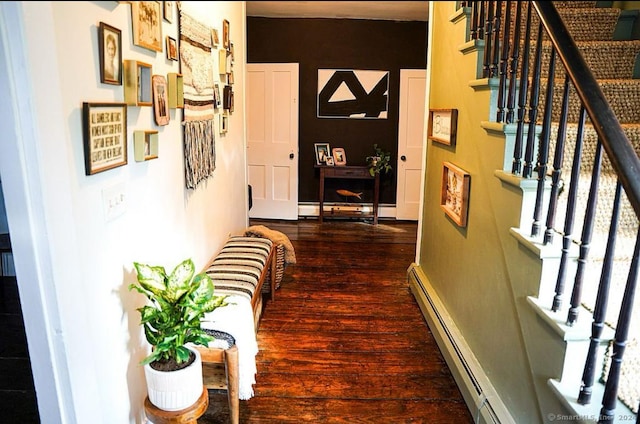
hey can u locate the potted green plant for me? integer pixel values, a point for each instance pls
(379, 161)
(178, 302)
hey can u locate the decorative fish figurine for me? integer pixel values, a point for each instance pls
(348, 193)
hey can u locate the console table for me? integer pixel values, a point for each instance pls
(344, 173)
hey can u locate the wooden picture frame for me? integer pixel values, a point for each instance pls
(443, 126)
(226, 38)
(339, 156)
(215, 38)
(160, 100)
(110, 53)
(146, 20)
(172, 48)
(104, 129)
(454, 198)
(167, 11)
(322, 151)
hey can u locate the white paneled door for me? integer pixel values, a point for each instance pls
(410, 142)
(272, 139)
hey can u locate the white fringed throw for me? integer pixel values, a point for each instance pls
(196, 66)
(237, 319)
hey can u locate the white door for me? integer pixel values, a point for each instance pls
(410, 142)
(272, 139)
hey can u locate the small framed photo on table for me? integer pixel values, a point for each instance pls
(104, 128)
(339, 156)
(322, 152)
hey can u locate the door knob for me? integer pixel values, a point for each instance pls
(291, 155)
(403, 158)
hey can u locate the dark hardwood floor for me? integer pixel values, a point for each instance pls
(344, 341)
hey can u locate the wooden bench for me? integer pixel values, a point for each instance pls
(245, 266)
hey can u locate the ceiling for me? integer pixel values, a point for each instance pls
(381, 10)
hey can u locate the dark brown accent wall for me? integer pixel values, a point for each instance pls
(340, 44)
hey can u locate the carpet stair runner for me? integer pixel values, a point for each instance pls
(612, 63)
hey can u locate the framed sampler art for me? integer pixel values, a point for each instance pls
(104, 128)
(146, 19)
(443, 125)
(454, 199)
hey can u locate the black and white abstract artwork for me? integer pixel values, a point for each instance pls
(353, 94)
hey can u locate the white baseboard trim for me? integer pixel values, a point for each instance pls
(313, 209)
(482, 399)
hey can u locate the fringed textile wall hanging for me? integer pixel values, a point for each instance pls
(196, 66)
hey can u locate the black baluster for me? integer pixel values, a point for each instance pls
(488, 32)
(600, 310)
(474, 19)
(481, 19)
(571, 212)
(495, 35)
(543, 147)
(558, 160)
(504, 61)
(622, 331)
(585, 241)
(533, 107)
(513, 69)
(522, 96)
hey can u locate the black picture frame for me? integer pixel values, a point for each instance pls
(110, 38)
(104, 128)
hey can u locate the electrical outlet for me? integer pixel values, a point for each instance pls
(114, 202)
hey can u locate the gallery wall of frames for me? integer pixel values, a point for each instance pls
(201, 89)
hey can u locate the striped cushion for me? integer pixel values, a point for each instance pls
(238, 266)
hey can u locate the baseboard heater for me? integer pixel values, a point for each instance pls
(480, 396)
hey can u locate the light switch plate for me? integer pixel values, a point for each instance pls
(114, 202)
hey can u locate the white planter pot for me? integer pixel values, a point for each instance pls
(175, 390)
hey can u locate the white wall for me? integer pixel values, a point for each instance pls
(74, 266)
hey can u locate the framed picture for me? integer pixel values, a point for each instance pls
(224, 122)
(160, 99)
(110, 48)
(226, 40)
(172, 48)
(442, 126)
(339, 157)
(454, 199)
(104, 129)
(217, 97)
(322, 152)
(147, 24)
(215, 39)
(167, 12)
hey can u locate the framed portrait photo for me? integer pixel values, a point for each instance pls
(104, 128)
(339, 156)
(226, 40)
(146, 20)
(160, 99)
(454, 199)
(322, 152)
(110, 53)
(215, 38)
(172, 48)
(167, 11)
